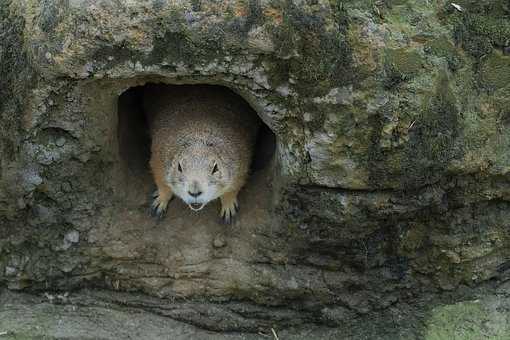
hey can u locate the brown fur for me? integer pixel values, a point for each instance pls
(200, 119)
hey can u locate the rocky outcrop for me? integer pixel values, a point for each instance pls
(389, 184)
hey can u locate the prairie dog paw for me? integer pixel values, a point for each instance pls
(229, 208)
(159, 204)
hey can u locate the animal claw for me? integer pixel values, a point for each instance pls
(227, 219)
(229, 207)
(228, 213)
(157, 213)
(158, 207)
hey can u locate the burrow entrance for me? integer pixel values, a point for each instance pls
(134, 142)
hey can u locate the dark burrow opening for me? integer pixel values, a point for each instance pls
(134, 142)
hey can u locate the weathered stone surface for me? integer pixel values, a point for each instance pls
(110, 315)
(478, 319)
(390, 181)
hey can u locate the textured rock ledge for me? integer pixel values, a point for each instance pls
(108, 315)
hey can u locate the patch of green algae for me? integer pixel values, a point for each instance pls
(469, 320)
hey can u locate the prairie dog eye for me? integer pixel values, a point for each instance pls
(215, 168)
(179, 167)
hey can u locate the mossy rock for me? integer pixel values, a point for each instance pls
(495, 72)
(470, 320)
(401, 65)
(442, 47)
(482, 26)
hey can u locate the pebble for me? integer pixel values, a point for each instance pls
(219, 242)
(70, 238)
(73, 236)
(9, 271)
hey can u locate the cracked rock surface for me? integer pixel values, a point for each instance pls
(388, 192)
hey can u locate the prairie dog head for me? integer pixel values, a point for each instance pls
(197, 175)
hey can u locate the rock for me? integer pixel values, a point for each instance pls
(10, 271)
(71, 238)
(336, 316)
(31, 179)
(219, 242)
(478, 319)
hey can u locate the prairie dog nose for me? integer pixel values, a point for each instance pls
(195, 194)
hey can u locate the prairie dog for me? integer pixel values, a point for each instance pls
(202, 141)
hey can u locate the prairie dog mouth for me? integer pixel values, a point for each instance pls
(196, 206)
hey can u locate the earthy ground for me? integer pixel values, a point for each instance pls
(106, 315)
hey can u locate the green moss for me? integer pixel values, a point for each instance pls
(482, 25)
(438, 124)
(173, 46)
(121, 54)
(496, 30)
(425, 157)
(443, 48)
(277, 69)
(413, 239)
(466, 321)
(51, 14)
(391, 3)
(16, 81)
(401, 65)
(4, 9)
(318, 58)
(339, 14)
(177, 43)
(255, 15)
(495, 72)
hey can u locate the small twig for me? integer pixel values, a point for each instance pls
(411, 125)
(274, 334)
(264, 335)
